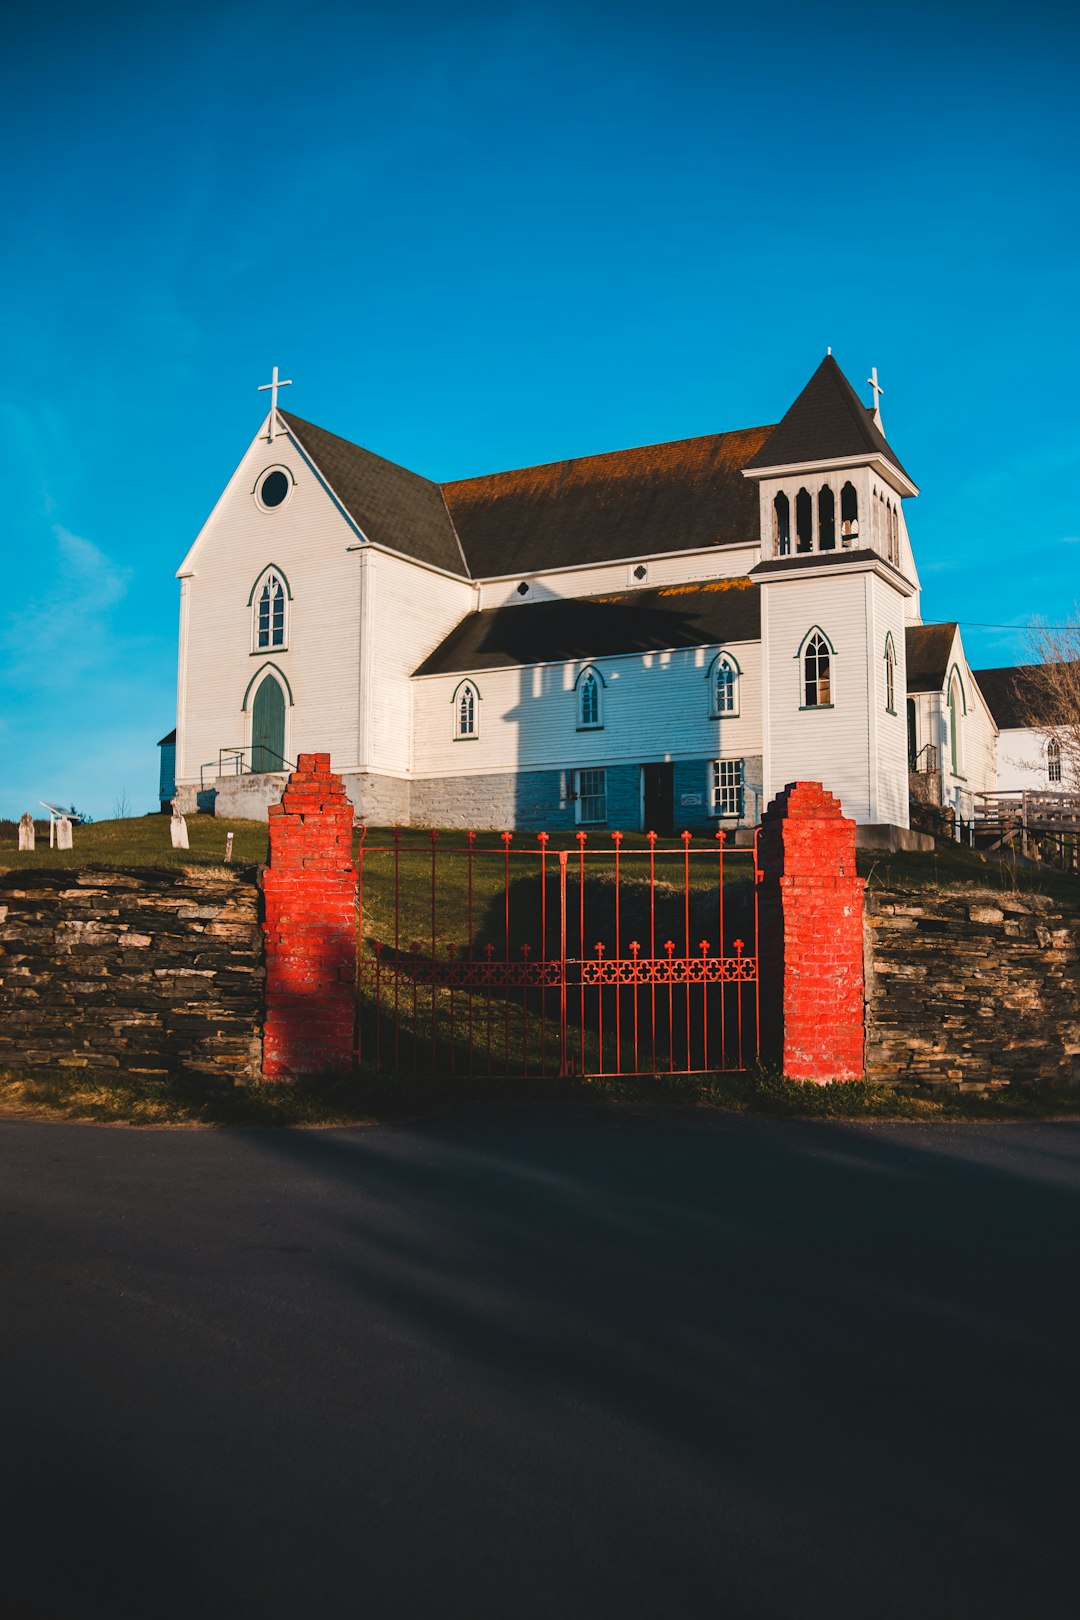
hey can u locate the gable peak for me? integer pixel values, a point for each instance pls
(827, 421)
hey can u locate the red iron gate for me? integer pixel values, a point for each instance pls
(625, 958)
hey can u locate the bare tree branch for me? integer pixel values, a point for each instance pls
(1048, 690)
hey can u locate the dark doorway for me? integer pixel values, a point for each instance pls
(658, 782)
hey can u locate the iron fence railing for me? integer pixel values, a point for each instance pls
(608, 955)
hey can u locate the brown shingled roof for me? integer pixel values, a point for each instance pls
(827, 421)
(627, 503)
(392, 506)
(601, 626)
(1002, 690)
(928, 650)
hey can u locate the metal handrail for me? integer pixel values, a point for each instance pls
(232, 762)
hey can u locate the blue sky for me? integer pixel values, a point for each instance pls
(497, 235)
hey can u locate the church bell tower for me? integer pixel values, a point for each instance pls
(838, 584)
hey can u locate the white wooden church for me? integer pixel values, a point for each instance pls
(656, 638)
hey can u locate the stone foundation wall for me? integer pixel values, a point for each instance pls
(972, 990)
(243, 797)
(381, 801)
(157, 973)
(529, 800)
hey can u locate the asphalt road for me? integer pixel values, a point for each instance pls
(540, 1365)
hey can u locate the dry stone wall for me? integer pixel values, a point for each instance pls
(972, 990)
(155, 973)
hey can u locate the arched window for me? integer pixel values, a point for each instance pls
(890, 674)
(804, 521)
(817, 671)
(1053, 760)
(590, 713)
(781, 526)
(826, 519)
(724, 674)
(849, 516)
(269, 601)
(466, 702)
(956, 704)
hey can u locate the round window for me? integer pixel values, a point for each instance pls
(274, 488)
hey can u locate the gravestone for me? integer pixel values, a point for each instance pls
(179, 830)
(26, 831)
(228, 846)
(63, 833)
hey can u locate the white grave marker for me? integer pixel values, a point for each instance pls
(179, 830)
(63, 832)
(26, 831)
(228, 846)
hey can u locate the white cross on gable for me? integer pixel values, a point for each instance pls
(878, 391)
(274, 384)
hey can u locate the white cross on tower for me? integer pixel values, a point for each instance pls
(878, 391)
(274, 384)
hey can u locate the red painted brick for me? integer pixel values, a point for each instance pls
(310, 926)
(811, 937)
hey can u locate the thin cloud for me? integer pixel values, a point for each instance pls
(66, 629)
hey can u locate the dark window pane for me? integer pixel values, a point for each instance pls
(275, 487)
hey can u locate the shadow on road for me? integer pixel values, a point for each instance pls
(560, 1363)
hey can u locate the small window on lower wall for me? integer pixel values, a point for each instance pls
(466, 711)
(591, 790)
(729, 787)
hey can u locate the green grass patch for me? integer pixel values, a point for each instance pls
(369, 1099)
(953, 867)
(137, 841)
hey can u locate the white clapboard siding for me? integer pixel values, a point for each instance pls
(1022, 763)
(308, 539)
(822, 745)
(888, 732)
(977, 763)
(413, 609)
(979, 750)
(731, 562)
(655, 707)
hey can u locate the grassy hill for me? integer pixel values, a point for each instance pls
(137, 841)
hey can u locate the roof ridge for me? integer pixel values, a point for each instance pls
(453, 526)
(351, 444)
(601, 455)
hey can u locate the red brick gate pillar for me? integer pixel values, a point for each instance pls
(309, 889)
(810, 943)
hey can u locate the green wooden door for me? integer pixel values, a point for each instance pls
(268, 727)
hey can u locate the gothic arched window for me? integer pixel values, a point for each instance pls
(890, 674)
(269, 604)
(724, 676)
(817, 672)
(849, 515)
(466, 712)
(590, 714)
(1053, 760)
(826, 519)
(781, 525)
(956, 707)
